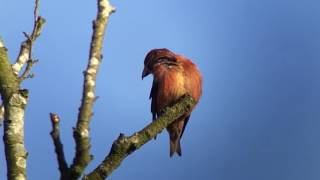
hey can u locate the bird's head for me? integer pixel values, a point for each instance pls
(157, 57)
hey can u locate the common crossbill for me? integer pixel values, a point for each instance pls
(173, 76)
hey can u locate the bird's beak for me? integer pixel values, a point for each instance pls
(145, 72)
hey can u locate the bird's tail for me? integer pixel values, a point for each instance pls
(175, 146)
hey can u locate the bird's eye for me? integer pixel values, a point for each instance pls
(171, 64)
(168, 66)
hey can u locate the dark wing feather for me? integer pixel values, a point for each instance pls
(153, 97)
(184, 125)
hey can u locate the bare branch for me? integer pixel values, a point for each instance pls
(25, 53)
(55, 135)
(36, 11)
(81, 132)
(14, 101)
(124, 146)
(26, 74)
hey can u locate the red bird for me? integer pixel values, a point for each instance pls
(173, 76)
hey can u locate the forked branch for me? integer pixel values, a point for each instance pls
(14, 102)
(25, 53)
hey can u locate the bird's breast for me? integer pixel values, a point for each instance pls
(171, 87)
(178, 85)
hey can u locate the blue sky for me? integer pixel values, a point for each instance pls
(258, 118)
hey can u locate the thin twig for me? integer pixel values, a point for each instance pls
(25, 53)
(26, 74)
(36, 12)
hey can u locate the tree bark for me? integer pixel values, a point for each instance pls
(81, 132)
(124, 146)
(14, 101)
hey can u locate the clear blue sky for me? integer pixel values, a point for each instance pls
(259, 116)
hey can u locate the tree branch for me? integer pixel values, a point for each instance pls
(26, 74)
(1, 106)
(25, 53)
(81, 132)
(55, 135)
(124, 146)
(14, 101)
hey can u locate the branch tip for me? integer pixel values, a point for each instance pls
(58, 146)
(54, 118)
(1, 43)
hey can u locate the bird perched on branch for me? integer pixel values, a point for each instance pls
(173, 76)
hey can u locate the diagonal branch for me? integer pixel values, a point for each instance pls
(124, 145)
(55, 135)
(25, 53)
(26, 74)
(81, 132)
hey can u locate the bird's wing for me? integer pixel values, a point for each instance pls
(153, 97)
(184, 125)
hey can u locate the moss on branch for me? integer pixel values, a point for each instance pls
(8, 80)
(81, 132)
(14, 101)
(124, 146)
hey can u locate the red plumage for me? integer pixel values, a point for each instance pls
(173, 76)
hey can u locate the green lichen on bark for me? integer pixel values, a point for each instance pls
(16, 154)
(81, 132)
(124, 146)
(8, 81)
(14, 101)
(83, 156)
